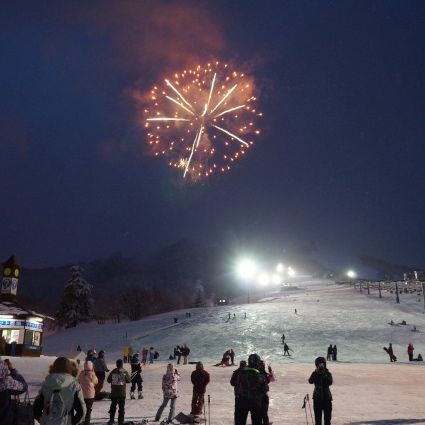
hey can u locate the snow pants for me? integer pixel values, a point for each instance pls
(163, 406)
(136, 380)
(324, 406)
(100, 381)
(89, 406)
(197, 403)
(245, 406)
(120, 402)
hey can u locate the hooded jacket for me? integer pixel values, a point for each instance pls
(169, 382)
(8, 385)
(70, 391)
(88, 380)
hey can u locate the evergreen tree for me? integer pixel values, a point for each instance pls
(75, 305)
(199, 300)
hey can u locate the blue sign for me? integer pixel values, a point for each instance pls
(12, 323)
(33, 325)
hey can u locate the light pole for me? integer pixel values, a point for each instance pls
(246, 269)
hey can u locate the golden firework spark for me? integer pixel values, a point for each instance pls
(202, 119)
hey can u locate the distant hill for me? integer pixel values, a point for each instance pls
(179, 271)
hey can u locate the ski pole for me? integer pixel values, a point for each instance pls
(305, 408)
(205, 413)
(309, 406)
(209, 410)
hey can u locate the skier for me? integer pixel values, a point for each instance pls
(251, 387)
(125, 353)
(296, 311)
(169, 389)
(329, 354)
(118, 379)
(136, 377)
(410, 349)
(334, 353)
(283, 338)
(322, 397)
(88, 381)
(200, 379)
(286, 350)
(100, 369)
(265, 401)
(390, 352)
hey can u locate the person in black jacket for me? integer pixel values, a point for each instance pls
(136, 377)
(250, 388)
(322, 397)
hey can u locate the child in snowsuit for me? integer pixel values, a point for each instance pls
(136, 377)
(200, 379)
(322, 397)
(169, 390)
(118, 379)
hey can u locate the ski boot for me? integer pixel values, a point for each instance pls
(140, 395)
(132, 396)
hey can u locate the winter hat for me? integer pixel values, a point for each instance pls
(254, 361)
(119, 363)
(242, 363)
(170, 368)
(101, 353)
(199, 365)
(320, 360)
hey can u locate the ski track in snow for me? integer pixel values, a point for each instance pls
(367, 388)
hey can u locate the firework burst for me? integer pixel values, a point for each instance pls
(202, 120)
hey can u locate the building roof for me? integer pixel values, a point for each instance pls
(16, 309)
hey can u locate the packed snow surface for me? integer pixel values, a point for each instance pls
(367, 388)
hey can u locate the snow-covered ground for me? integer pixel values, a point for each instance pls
(367, 388)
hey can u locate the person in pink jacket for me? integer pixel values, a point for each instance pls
(88, 380)
(169, 389)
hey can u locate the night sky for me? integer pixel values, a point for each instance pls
(340, 161)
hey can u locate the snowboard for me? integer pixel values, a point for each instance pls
(188, 419)
(392, 356)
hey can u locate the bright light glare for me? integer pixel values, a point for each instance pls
(279, 268)
(276, 279)
(351, 274)
(246, 269)
(291, 271)
(264, 279)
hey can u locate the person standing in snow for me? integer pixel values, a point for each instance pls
(265, 402)
(125, 353)
(136, 377)
(178, 354)
(88, 382)
(151, 355)
(62, 388)
(334, 353)
(286, 350)
(169, 390)
(100, 369)
(200, 379)
(250, 387)
(185, 350)
(11, 383)
(329, 353)
(118, 379)
(283, 338)
(390, 352)
(410, 350)
(322, 397)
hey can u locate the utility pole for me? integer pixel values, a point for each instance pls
(379, 289)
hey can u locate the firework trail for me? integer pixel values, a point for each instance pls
(202, 120)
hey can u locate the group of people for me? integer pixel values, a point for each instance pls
(332, 353)
(410, 349)
(228, 358)
(67, 394)
(148, 356)
(179, 352)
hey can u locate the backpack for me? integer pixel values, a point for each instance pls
(56, 412)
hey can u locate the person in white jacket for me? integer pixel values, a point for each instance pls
(169, 390)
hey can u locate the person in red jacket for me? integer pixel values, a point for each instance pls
(410, 349)
(200, 379)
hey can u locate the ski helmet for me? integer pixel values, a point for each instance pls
(320, 360)
(254, 361)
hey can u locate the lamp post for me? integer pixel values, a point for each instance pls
(246, 269)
